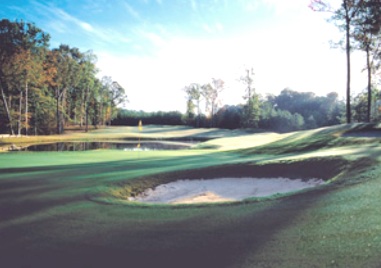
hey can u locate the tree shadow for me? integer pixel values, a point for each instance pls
(198, 241)
(209, 238)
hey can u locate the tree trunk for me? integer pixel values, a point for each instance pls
(369, 83)
(198, 112)
(7, 110)
(109, 120)
(19, 124)
(75, 116)
(87, 118)
(101, 119)
(82, 108)
(348, 52)
(35, 116)
(348, 56)
(87, 110)
(58, 112)
(26, 109)
(212, 122)
(63, 109)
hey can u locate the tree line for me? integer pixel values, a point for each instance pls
(288, 111)
(131, 118)
(43, 89)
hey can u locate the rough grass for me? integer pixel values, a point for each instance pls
(49, 220)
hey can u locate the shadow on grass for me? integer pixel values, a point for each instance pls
(209, 237)
(28, 190)
(28, 201)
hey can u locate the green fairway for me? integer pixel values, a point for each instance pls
(69, 209)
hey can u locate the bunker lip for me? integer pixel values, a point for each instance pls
(304, 170)
(221, 190)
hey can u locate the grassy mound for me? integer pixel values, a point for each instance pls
(320, 139)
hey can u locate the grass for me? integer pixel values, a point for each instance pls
(50, 218)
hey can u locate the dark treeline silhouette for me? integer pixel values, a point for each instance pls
(288, 111)
(132, 118)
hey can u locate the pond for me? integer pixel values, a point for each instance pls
(127, 146)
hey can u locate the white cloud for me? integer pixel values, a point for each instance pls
(149, 84)
(194, 5)
(58, 26)
(69, 18)
(213, 28)
(154, 38)
(207, 28)
(286, 6)
(86, 26)
(133, 13)
(60, 21)
(219, 27)
(250, 6)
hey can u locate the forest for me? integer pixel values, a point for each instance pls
(43, 90)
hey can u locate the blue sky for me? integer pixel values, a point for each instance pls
(153, 48)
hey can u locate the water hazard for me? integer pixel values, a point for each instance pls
(126, 146)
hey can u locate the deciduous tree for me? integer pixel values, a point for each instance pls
(193, 93)
(211, 92)
(366, 34)
(251, 112)
(17, 40)
(343, 17)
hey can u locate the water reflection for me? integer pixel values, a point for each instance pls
(129, 146)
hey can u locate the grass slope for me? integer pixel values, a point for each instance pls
(48, 218)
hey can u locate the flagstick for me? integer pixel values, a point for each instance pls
(140, 127)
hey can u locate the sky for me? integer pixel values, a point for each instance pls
(154, 48)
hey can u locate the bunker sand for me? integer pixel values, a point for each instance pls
(221, 190)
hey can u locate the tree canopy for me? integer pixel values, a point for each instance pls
(43, 90)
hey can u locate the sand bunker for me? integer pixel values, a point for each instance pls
(220, 190)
